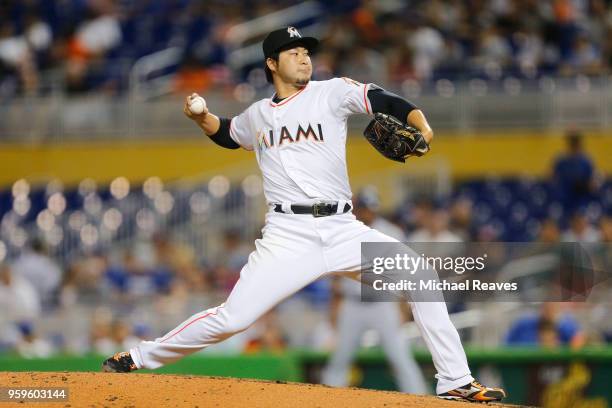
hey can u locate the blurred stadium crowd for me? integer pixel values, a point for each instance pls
(92, 44)
(124, 263)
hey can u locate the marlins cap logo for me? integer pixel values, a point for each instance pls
(293, 32)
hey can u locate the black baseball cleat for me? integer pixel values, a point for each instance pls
(119, 363)
(475, 392)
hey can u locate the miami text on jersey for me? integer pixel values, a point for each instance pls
(301, 134)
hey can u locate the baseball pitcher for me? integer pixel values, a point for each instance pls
(299, 137)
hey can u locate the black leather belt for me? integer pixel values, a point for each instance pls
(316, 210)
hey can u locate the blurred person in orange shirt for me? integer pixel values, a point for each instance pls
(191, 76)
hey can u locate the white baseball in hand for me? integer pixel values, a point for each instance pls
(197, 105)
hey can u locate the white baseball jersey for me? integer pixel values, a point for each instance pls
(300, 142)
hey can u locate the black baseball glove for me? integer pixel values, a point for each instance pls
(394, 139)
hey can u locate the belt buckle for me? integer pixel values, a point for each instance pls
(321, 210)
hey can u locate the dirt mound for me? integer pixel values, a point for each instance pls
(150, 390)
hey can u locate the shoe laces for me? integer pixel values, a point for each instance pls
(120, 355)
(477, 384)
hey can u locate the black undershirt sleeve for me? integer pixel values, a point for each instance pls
(222, 137)
(389, 103)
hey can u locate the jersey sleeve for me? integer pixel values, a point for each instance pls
(349, 97)
(240, 130)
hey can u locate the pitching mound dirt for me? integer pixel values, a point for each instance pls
(148, 390)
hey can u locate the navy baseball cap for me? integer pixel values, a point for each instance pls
(284, 37)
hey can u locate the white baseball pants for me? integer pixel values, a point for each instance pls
(294, 251)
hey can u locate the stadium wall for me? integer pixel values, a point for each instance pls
(466, 156)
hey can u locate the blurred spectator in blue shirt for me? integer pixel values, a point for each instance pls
(546, 328)
(574, 174)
